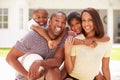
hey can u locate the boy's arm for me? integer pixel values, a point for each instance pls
(54, 43)
(62, 35)
(39, 30)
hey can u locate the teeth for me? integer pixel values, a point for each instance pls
(41, 23)
(58, 29)
(87, 27)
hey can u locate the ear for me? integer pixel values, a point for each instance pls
(49, 21)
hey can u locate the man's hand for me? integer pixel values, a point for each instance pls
(36, 71)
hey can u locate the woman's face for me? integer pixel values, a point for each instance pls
(75, 26)
(87, 23)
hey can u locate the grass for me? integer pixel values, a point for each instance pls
(4, 51)
(115, 55)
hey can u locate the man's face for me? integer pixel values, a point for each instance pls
(57, 24)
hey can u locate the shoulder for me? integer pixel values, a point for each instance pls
(80, 36)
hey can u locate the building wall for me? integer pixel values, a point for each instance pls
(15, 31)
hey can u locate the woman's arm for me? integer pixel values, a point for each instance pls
(105, 68)
(69, 60)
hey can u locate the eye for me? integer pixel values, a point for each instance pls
(89, 20)
(83, 20)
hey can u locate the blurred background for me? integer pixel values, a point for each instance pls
(14, 14)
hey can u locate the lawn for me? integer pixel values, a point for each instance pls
(4, 51)
(115, 55)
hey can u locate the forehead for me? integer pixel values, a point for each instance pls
(59, 16)
(86, 14)
(40, 12)
(74, 19)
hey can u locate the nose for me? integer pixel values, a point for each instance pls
(41, 20)
(86, 23)
(59, 24)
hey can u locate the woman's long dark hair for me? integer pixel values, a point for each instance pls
(97, 22)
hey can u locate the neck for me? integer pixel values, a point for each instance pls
(91, 34)
(52, 37)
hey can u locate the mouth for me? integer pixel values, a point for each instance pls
(87, 27)
(58, 29)
(41, 24)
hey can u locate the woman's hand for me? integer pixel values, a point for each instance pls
(68, 44)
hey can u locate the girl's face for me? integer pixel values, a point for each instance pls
(75, 25)
(87, 23)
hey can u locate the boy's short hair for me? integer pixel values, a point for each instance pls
(58, 12)
(40, 9)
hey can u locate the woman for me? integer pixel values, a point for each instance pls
(83, 62)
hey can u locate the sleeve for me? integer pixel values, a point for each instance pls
(108, 50)
(73, 51)
(63, 41)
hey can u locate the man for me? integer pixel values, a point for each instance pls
(34, 43)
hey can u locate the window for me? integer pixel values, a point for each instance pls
(116, 26)
(30, 13)
(3, 18)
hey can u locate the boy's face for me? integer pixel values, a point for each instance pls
(75, 25)
(41, 17)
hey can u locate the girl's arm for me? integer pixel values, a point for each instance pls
(87, 42)
(105, 68)
(103, 39)
(69, 60)
(91, 41)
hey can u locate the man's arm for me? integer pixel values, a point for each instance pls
(105, 68)
(56, 61)
(12, 59)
